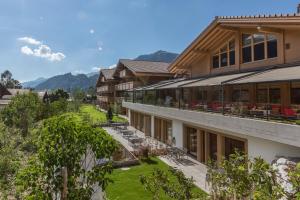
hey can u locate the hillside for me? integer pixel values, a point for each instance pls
(159, 56)
(68, 82)
(34, 83)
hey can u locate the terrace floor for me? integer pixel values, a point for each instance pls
(189, 166)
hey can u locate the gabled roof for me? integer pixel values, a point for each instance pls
(144, 67)
(225, 27)
(108, 73)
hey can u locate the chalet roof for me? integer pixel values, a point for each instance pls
(15, 92)
(225, 27)
(3, 91)
(137, 66)
(108, 73)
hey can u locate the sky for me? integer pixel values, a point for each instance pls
(43, 38)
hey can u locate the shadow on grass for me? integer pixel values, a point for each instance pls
(149, 161)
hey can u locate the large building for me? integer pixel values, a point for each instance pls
(127, 75)
(243, 92)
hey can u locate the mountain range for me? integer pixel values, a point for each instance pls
(69, 81)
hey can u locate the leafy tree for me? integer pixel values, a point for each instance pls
(109, 114)
(294, 178)
(78, 97)
(241, 178)
(7, 80)
(22, 111)
(58, 94)
(73, 157)
(159, 182)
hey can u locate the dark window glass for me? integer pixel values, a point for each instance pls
(295, 95)
(232, 58)
(240, 96)
(231, 45)
(262, 96)
(231, 145)
(224, 59)
(259, 51)
(272, 48)
(213, 145)
(274, 95)
(257, 38)
(246, 39)
(216, 61)
(247, 54)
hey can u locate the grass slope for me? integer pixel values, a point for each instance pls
(127, 184)
(98, 116)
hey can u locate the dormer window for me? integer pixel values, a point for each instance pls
(123, 73)
(258, 46)
(225, 56)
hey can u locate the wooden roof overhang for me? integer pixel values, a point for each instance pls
(223, 28)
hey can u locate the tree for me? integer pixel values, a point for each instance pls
(22, 111)
(241, 178)
(160, 182)
(7, 80)
(57, 95)
(294, 178)
(73, 158)
(78, 97)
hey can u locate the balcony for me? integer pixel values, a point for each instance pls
(227, 124)
(105, 89)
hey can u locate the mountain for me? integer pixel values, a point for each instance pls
(32, 84)
(159, 56)
(68, 82)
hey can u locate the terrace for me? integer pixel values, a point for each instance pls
(272, 94)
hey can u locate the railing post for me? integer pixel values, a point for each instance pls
(222, 86)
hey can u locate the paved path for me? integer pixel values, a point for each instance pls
(189, 166)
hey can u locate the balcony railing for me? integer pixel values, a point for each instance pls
(272, 111)
(125, 86)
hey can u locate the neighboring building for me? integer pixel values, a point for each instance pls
(7, 94)
(244, 87)
(106, 88)
(128, 75)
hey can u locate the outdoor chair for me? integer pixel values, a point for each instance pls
(289, 113)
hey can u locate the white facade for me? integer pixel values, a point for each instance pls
(264, 138)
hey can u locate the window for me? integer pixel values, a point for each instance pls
(231, 145)
(262, 95)
(295, 95)
(240, 95)
(213, 146)
(274, 94)
(224, 56)
(258, 46)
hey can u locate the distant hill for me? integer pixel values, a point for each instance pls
(84, 81)
(68, 82)
(159, 56)
(34, 83)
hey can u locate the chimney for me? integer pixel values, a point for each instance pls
(298, 9)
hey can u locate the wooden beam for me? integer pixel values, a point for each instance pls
(200, 51)
(268, 30)
(228, 28)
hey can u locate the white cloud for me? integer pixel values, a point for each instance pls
(100, 48)
(112, 66)
(43, 51)
(30, 40)
(92, 31)
(26, 50)
(96, 69)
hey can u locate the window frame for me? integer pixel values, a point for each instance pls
(253, 44)
(219, 52)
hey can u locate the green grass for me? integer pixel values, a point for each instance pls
(98, 116)
(127, 186)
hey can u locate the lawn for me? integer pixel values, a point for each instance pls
(127, 186)
(98, 116)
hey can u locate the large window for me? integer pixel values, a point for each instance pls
(232, 145)
(240, 95)
(272, 95)
(224, 56)
(258, 46)
(295, 95)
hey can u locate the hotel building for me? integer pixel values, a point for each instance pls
(243, 91)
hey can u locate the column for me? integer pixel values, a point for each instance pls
(152, 126)
(220, 148)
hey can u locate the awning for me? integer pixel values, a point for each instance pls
(216, 80)
(177, 84)
(273, 75)
(161, 83)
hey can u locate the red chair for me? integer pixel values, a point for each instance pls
(289, 113)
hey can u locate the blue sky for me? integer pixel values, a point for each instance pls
(42, 38)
